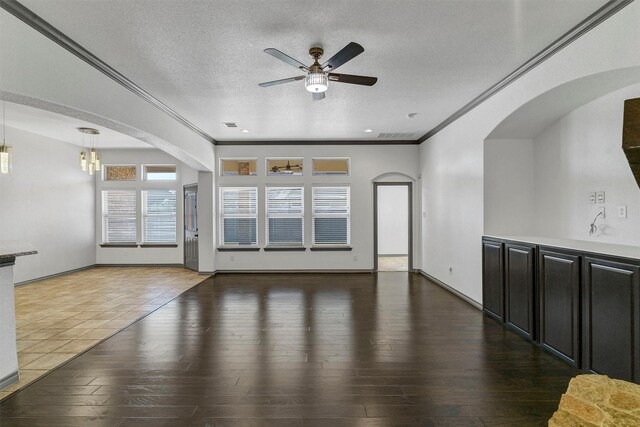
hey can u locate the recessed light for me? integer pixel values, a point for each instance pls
(245, 131)
(368, 130)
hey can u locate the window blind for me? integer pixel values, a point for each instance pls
(238, 216)
(331, 216)
(119, 216)
(159, 216)
(285, 216)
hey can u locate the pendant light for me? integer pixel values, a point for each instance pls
(91, 163)
(6, 151)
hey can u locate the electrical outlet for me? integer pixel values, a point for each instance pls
(600, 197)
(232, 258)
(450, 270)
(603, 213)
(622, 211)
(592, 197)
(355, 257)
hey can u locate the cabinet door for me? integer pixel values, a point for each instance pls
(492, 279)
(559, 280)
(612, 319)
(519, 288)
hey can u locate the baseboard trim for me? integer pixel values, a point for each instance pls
(9, 380)
(448, 288)
(393, 255)
(139, 265)
(208, 273)
(360, 271)
(51, 276)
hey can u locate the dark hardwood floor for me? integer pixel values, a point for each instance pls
(332, 350)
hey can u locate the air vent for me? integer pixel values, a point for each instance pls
(231, 124)
(397, 135)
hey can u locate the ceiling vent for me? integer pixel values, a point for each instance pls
(397, 135)
(231, 124)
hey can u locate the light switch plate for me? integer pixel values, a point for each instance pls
(600, 197)
(622, 211)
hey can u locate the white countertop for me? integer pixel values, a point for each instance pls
(9, 248)
(579, 245)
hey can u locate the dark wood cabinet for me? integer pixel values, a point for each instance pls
(584, 307)
(611, 314)
(493, 279)
(520, 288)
(559, 302)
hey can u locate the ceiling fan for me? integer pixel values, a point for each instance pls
(318, 75)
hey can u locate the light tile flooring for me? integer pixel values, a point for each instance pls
(393, 263)
(61, 317)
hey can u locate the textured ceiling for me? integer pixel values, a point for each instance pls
(64, 128)
(204, 58)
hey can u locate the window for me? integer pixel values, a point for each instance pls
(119, 216)
(331, 166)
(119, 173)
(285, 216)
(331, 212)
(239, 216)
(159, 172)
(159, 216)
(284, 167)
(238, 167)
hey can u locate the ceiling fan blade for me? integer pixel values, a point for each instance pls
(347, 53)
(281, 81)
(355, 80)
(317, 96)
(286, 58)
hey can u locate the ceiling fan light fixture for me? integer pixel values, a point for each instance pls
(316, 82)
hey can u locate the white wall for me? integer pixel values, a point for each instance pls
(452, 165)
(579, 154)
(47, 201)
(393, 226)
(139, 255)
(508, 187)
(367, 163)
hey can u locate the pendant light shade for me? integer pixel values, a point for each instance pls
(6, 158)
(90, 163)
(6, 151)
(316, 82)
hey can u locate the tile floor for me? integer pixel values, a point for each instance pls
(59, 318)
(393, 263)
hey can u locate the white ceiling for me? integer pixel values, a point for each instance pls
(204, 58)
(64, 128)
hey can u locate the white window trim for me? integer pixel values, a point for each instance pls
(236, 159)
(313, 170)
(267, 216)
(314, 216)
(287, 158)
(144, 215)
(222, 216)
(103, 214)
(143, 172)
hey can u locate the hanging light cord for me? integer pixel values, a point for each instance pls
(594, 227)
(4, 123)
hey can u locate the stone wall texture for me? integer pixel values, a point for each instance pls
(597, 400)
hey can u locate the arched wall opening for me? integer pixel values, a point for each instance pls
(544, 160)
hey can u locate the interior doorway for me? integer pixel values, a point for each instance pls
(191, 227)
(392, 226)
